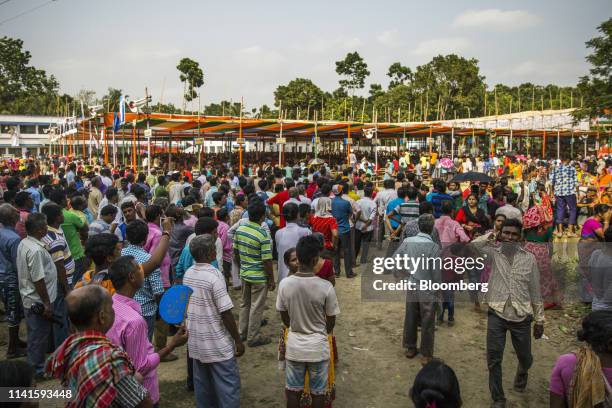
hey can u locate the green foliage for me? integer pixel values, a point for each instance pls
(192, 76)
(25, 89)
(353, 71)
(223, 108)
(376, 90)
(597, 86)
(399, 74)
(111, 100)
(165, 108)
(448, 84)
(299, 96)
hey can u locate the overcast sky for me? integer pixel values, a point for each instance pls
(248, 48)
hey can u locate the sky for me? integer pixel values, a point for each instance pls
(248, 48)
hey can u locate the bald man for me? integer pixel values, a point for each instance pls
(99, 373)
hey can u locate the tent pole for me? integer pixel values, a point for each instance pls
(348, 145)
(452, 143)
(240, 136)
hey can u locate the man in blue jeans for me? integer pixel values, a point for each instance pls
(342, 210)
(308, 307)
(565, 185)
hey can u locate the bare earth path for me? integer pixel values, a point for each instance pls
(373, 372)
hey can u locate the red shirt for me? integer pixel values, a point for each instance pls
(325, 226)
(280, 199)
(327, 270)
(312, 188)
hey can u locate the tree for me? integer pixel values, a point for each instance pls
(192, 77)
(449, 85)
(399, 74)
(299, 94)
(111, 99)
(165, 108)
(354, 71)
(596, 88)
(376, 90)
(25, 89)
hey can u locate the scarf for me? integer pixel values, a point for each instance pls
(90, 364)
(588, 387)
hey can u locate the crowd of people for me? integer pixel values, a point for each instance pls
(87, 252)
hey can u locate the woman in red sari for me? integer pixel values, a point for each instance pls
(324, 223)
(538, 241)
(471, 217)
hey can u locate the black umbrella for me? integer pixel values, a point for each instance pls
(472, 176)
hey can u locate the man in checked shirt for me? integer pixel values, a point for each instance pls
(565, 186)
(148, 295)
(514, 300)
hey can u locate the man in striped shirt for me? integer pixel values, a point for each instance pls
(253, 255)
(60, 253)
(214, 342)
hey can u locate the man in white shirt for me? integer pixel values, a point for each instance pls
(308, 307)
(38, 288)
(381, 200)
(364, 227)
(111, 197)
(467, 165)
(175, 189)
(288, 237)
(215, 344)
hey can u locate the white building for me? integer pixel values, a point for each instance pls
(23, 134)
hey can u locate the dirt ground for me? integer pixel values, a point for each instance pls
(373, 371)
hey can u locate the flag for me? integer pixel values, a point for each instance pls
(116, 123)
(121, 110)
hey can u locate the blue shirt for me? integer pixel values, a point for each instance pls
(152, 284)
(9, 241)
(390, 207)
(564, 180)
(436, 201)
(342, 210)
(35, 197)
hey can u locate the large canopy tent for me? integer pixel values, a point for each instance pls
(157, 131)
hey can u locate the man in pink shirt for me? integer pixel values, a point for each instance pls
(153, 214)
(129, 329)
(450, 232)
(228, 249)
(24, 204)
